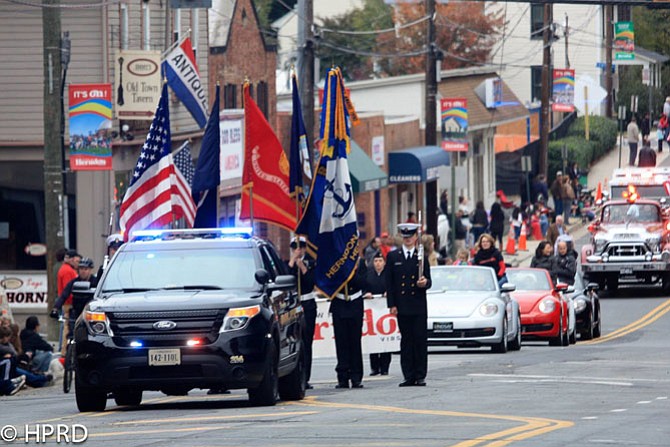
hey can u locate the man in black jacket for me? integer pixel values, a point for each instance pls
(302, 267)
(406, 297)
(347, 310)
(565, 266)
(379, 362)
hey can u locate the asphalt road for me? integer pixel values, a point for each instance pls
(614, 391)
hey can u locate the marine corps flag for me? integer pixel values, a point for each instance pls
(329, 220)
(266, 169)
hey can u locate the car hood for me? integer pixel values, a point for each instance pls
(457, 304)
(529, 299)
(174, 300)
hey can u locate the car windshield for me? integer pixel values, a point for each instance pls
(212, 268)
(462, 279)
(528, 279)
(634, 212)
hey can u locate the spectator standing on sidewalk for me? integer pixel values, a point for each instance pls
(497, 224)
(645, 126)
(480, 220)
(647, 158)
(633, 137)
(557, 193)
(568, 195)
(660, 132)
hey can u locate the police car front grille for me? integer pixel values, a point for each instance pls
(188, 325)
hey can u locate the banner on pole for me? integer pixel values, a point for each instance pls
(624, 41)
(563, 94)
(454, 124)
(90, 118)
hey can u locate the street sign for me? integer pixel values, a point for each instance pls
(526, 163)
(633, 103)
(596, 94)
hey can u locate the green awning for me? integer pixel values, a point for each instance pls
(365, 174)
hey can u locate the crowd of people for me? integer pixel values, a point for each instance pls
(26, 357)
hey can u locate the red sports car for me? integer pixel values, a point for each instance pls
(544, 311)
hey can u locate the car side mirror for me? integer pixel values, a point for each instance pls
(592, 287)
(284, 282)
(262, 276)
(81, 286)
(561, 287)
(570, 289)
(507, 287)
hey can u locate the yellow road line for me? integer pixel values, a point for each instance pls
(532, 426)
(215, 418)
(646, 320)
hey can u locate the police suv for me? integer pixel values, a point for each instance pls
(183, 309)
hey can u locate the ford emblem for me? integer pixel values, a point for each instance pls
(164, 325)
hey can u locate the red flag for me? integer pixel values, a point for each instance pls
(266, 171)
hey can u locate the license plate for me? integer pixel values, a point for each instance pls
(164, 357)
(627, 271)
(443, 327)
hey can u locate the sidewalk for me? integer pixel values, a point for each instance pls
(598, 172)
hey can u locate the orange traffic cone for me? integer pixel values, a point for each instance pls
(522, 238)
(599, 192)
(510, 249)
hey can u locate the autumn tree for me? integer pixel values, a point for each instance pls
(379, 40)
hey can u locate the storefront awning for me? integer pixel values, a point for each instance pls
(365, 174)
(417, 164)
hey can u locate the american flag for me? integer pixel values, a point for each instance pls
(183, 160)
(158, 193)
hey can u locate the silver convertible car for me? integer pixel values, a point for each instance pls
(467, 308)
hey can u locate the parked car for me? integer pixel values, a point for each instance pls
(544, 311)
(586, 303)
(183, 309)
(467, 308)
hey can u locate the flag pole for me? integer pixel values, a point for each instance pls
(251, 187)
(218, 198)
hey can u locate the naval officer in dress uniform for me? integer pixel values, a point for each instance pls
(406, 297)
(302, 267)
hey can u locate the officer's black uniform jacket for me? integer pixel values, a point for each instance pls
(401, 277)
(307, 278)
(358, 283)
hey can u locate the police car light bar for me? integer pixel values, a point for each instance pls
(193, 233)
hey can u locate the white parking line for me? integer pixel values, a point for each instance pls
(590, 418)
(619, 410)
(644, 402)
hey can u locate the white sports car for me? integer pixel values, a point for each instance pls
(467, 308)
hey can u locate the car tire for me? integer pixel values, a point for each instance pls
(293, 386)
(587, 334)
(596, 329)
(128, 396)
(515, 344)
(266, 393)
(572, 337)
(89, 398)
(558, 340)
(501, 347)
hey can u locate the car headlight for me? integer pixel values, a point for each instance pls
(97, 323)
(488, 309)
(239, 317)
(580, 304)
(547, 306)
(599, 245)
(653, 243)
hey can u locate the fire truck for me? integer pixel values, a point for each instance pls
(649, 183)
(630, 242)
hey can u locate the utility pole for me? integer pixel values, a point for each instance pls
(609, 37)
(306, 68)
(566, 32)
(431, 122)
(547, 38)
(53, 156)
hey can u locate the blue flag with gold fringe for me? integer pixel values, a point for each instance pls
(329, 221)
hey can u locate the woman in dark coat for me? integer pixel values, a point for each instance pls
(489, 256)
(479, 220)
(544, 258)
(497, 224)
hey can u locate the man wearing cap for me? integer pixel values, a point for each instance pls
(347, 310)
(302, 267)
(114, 242)
(406, 297)
(66, 273)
